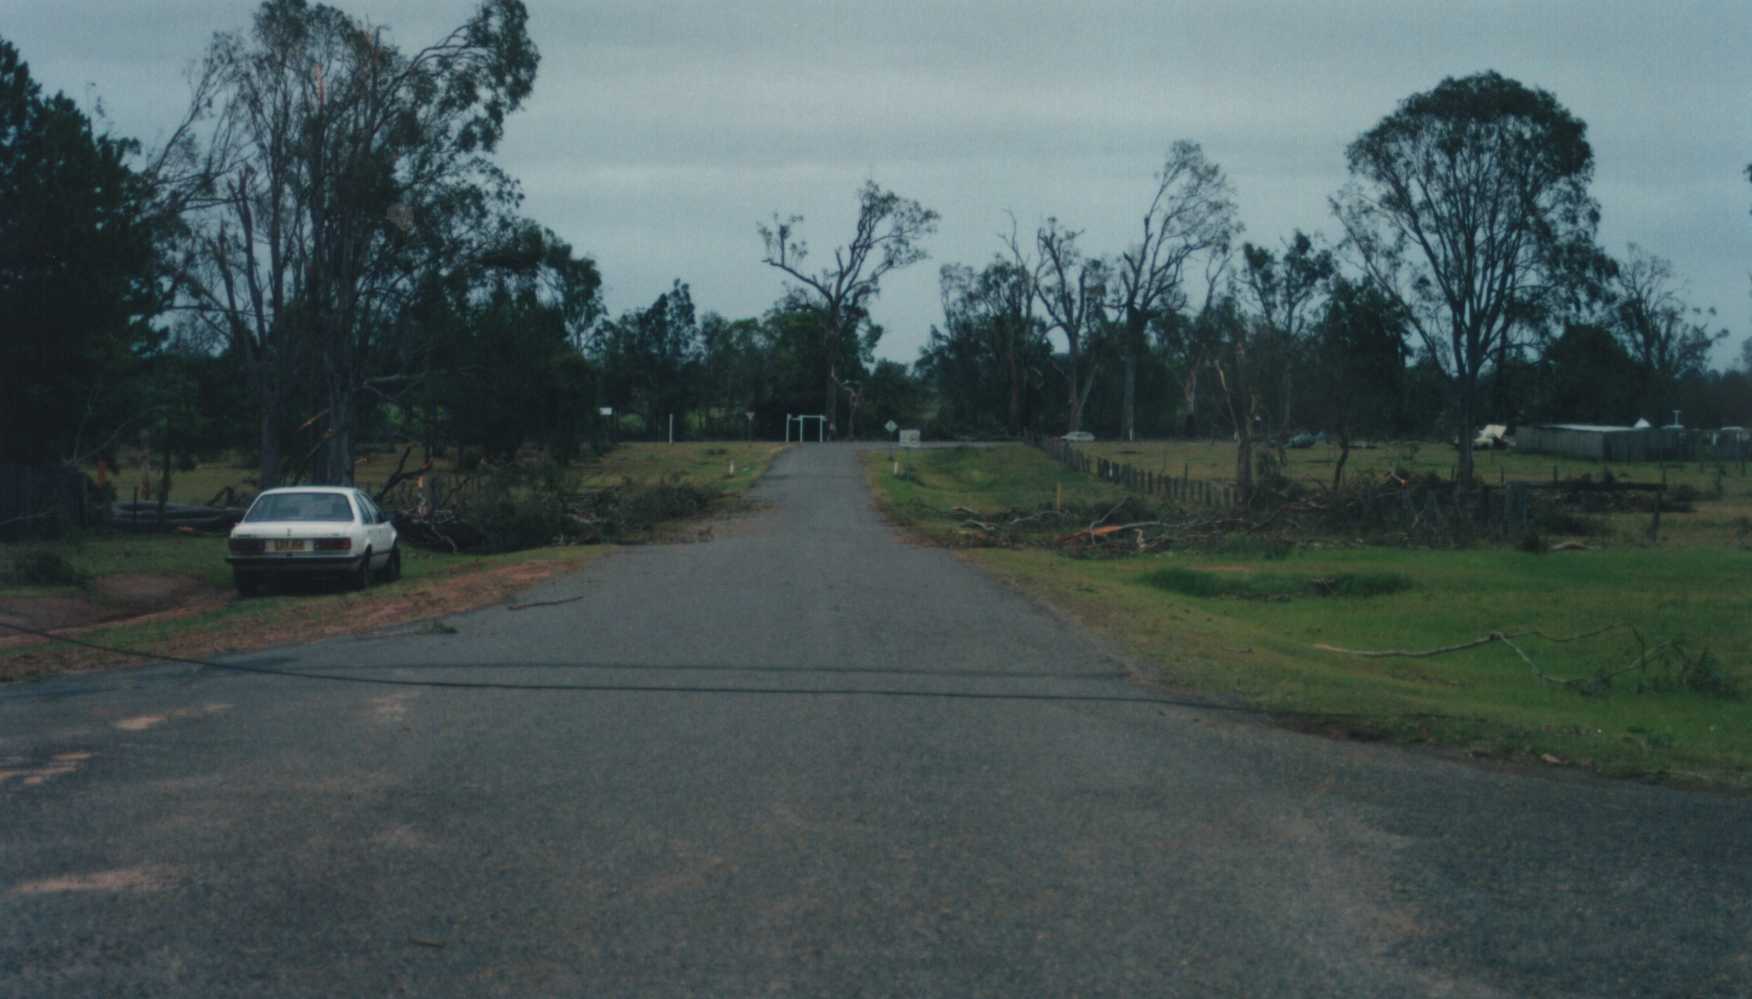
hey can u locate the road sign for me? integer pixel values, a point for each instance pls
(891, 426)
(605, 411)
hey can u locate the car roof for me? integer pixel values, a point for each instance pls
(340, 490)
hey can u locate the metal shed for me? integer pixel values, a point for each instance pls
(1595, 442)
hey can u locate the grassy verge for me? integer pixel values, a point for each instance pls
(212, 624)
(1242, 622)
(730, 467)
(933, 482)
(204, 618)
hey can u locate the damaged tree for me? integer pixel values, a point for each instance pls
(1466, 207)
(887, 236)
(1192, 214)
(342, 168)
(1071, 289)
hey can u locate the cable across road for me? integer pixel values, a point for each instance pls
(888, 692)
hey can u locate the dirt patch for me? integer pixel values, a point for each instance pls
(140, 723)
(29, 775)
(123, 596)
(148, 878)
(391, 709)
(300, 621)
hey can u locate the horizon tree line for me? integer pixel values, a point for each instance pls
(326, 252)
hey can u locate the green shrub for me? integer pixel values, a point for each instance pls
(35, 566)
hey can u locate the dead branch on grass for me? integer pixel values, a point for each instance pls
(1591, 684)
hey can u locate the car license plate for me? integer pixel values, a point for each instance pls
(287, 545)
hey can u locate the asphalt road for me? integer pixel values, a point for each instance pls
(805, 758)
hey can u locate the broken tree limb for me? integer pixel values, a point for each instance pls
(399, 476)
(1409, 653)
(1585, 684)
(1495, 636)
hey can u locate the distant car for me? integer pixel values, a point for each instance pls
(1495, 436)
(306, 530)
(1078, 437)
(1306, 440)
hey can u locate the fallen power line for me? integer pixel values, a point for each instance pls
(495, 685)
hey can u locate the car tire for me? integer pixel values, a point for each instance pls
(361, 577)
(392, 568)
(248, 583)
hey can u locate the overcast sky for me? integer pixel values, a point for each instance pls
(661, 132)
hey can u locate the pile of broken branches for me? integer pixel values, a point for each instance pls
(1128, 527)
(504, 508)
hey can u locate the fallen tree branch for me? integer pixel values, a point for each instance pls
(1495, 636)
(1586, 684)
(398, 476)
(26, 518)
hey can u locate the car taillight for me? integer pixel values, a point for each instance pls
(247, 546)
(334, 544)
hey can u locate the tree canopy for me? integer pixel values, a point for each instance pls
(1465, 206)
(78, 273)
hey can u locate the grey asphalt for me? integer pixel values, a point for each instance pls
(806, 758)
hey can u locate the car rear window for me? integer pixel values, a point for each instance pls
(301, 506)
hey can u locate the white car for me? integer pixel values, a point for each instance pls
(313, 529)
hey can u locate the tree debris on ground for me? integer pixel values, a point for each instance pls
(510, 507)
(1663, 666)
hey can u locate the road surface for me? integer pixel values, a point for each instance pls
(805, 758)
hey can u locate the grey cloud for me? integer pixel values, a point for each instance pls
(660, 133)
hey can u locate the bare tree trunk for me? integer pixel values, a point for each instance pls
(831, 400)
(1244, 464)
(1074, 421)
(340, 443)
(1189, 392)
(1343, 456)
(1080, 397)
(1128, 410)
(1468, 407)
(1014, 423)
(268, 475)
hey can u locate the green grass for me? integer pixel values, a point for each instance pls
(1252, 585)
(432, 583)
(932, 482)
(81, 563)
(91, 556)
(1183, 612)
(704, 464)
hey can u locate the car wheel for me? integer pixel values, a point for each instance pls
(248, 583)
(361, 577)
(392, 568)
